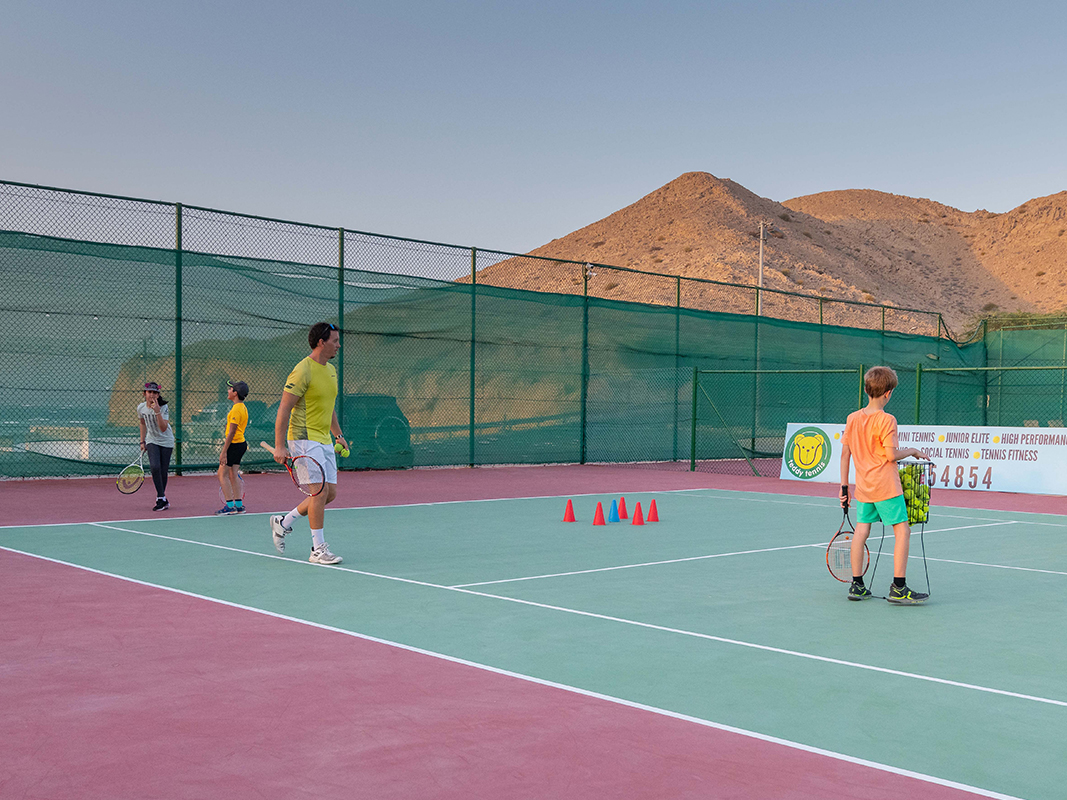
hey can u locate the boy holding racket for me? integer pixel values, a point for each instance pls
(306, 418)
(870, 439)
(234, 447)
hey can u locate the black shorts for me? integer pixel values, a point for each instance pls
(235, 452)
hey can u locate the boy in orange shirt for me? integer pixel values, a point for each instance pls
(871, 439)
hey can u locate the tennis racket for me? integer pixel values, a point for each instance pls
(240, 489)
(131, 478)
(839, 551)
(306, 472)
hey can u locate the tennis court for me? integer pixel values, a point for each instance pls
(473, 645)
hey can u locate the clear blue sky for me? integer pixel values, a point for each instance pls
(505, 125)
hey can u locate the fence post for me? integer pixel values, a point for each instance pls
(677, 340)
(859, 401)
(177, 339)
(584, 387)
(341, 325)
(693, 438)
(918, 389)
(474, 294)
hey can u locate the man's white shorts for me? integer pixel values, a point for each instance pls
(323, 453)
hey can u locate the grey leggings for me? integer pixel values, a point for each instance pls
(159, 458)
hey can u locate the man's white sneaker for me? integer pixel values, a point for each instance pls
(278, 531)
(322, 555)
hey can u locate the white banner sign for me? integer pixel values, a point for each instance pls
(987, 459)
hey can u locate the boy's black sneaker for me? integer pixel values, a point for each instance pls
(161, 504)
(857, 591)
(903, 596)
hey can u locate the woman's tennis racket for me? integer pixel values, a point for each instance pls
(839, 551)
(306, 472)
(131, 478)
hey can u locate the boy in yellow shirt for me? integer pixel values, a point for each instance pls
(233, 449)
(871, 439)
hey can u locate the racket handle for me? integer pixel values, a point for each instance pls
(267, 447)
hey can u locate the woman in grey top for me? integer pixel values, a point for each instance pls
(157, 439)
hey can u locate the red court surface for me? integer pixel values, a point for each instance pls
(113, 689)
(31, 502)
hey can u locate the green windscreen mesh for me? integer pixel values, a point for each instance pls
(438, 366)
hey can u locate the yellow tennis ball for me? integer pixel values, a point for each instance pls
(337, 447)
(908, 494)
(345, 453)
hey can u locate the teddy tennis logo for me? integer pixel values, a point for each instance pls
(807, 453)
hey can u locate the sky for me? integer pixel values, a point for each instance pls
(506, 125)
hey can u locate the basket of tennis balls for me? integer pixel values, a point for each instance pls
(915, 480)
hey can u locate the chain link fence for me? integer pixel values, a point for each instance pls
(450, 355)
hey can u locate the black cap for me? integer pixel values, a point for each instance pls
(240, 387)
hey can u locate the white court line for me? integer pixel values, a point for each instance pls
(635, 623)
(696, 558)
(543, 682)
(634, 566)
(996, 566)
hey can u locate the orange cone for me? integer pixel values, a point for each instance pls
(568, 515)
(598, 517)
(622, 508)
(653, 513)
(638, 519)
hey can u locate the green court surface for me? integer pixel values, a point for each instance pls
(723, 611)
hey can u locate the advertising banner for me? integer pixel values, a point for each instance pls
(981, 459)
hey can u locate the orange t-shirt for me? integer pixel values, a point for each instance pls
(872, 438)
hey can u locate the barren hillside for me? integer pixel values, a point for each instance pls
(854, 244)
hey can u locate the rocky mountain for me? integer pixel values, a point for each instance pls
(860, 245)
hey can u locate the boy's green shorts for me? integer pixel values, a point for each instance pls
(890, 511)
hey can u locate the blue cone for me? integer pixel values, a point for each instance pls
(613, 514)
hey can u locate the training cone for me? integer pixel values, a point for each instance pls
(613, 512)
(653, 514)
(568, 514)
(598, 517)
(622, 508)
(638, 519)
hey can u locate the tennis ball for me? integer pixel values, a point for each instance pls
(337, 447)
(346, 453)
(908, 494)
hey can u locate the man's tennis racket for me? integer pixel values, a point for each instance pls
(306, 472)
(839, 551)
(131, 478)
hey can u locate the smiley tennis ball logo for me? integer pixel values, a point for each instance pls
(807, 453)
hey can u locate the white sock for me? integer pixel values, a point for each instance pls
(290, 518)
(317, 539)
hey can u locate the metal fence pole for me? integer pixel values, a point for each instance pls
(474, 294)
(341, 325)
(677, 341)
(177, 339)
(585, 362)
(693, 437)
(918, 389)
(859, 401)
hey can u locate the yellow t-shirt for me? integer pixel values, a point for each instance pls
(316, 386)
(238, 416)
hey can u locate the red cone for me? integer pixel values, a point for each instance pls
(598, 517)
(568, 515)
(653, 513)
(622, 508)
(638, 519)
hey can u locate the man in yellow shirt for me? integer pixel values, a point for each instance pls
(233, 449)
(306, 418)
